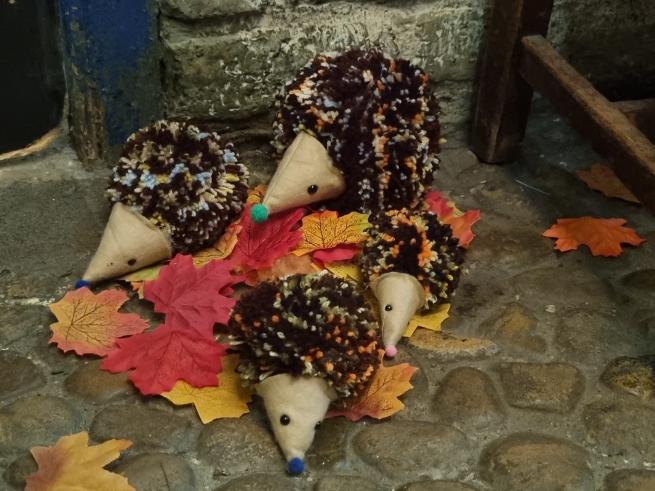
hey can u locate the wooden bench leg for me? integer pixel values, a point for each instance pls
(602, 123)
(503, 97)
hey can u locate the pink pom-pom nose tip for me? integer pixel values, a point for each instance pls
(391, 351)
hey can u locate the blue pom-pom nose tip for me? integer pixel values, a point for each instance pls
(259, 213)
(295, 466)
(81, 284)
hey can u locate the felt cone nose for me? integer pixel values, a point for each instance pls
(400, 296)
(305, 175)
(295, 405)
(128, 244)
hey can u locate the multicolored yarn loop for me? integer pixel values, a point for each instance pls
(183, 180)
(316, 325)
(378, 120)
(417, 244)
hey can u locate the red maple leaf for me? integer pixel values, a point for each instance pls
(460, 222)
(259, 244)
(161, 357)
(191, 297)
(339, 253)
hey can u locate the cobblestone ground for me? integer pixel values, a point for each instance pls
(542, 379)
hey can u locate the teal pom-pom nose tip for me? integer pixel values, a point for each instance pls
(295, 466)
(259, 213)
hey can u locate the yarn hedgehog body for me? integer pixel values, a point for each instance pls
(304, 342)
(182, 180)
(411, 261)
(175, 189)
(376, 120)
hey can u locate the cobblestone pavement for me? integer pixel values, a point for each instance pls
(542, 379)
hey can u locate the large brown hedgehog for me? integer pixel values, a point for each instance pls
(412, 261)
(378, 120)
(304, 343)
(183, 180)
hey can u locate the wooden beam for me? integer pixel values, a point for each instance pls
(503, 98)
(641, 113)
(611, 133)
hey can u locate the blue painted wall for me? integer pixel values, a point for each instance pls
(112, 63)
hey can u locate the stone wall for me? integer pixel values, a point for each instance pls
(224, 61)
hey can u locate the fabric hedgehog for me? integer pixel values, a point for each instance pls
(411, 261)
(304, 342)
(183, 180)
(175, 189)
(359, 132)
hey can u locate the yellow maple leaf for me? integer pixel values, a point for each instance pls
(381, 397)
(431, 320)
(138, 278)
(72, 464)
(149, 273)
(345, 270)
(327, 229)
(221, 249)
(229, 400)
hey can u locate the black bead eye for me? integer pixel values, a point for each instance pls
(388, 307)
(312, 189)
(131, 262)
(285, 420)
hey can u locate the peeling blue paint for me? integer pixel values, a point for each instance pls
(111, 48)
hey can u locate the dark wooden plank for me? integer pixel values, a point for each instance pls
(503, 98)
(630, 152)
(641, 113)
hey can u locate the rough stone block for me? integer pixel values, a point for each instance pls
(552, 387)
(467, 397)
(406, 449)
(530, 462)
(218, 73)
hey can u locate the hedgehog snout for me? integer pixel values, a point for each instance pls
(295, 406)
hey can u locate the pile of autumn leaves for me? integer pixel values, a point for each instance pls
(182, 360)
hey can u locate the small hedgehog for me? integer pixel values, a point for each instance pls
(411, 261)
(305, 342)
(359, 129)
(175, 189)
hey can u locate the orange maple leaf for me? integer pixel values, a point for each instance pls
(460, 222)
(256, 194)
(603, 236)
(72, 464)
(90, 324)
(381, 398)
(326, 230)
(283, 266)
(221, 249)
(602, 178)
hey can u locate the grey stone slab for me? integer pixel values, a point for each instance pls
(157, 471)
(146, 427)
(36, 420)
(621, 428)
(531, 462)
(18, 375)
(552, 387)
(407, 449)
(467, 398)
